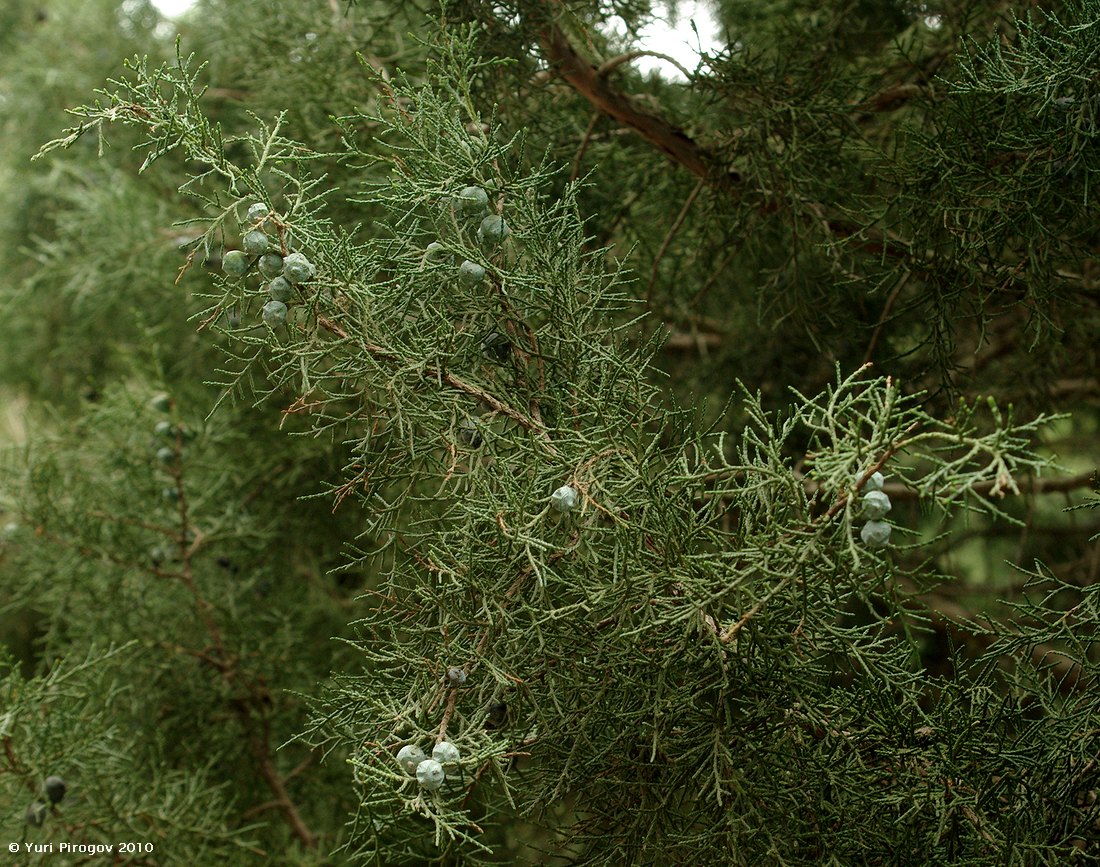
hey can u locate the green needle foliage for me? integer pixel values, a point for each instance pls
(256, 547)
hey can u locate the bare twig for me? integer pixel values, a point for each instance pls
(575, 172)
(673, 229)
(607, 66)
(886, 309)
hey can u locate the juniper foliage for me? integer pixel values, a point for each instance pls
(262, 556)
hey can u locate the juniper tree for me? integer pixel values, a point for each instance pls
(619, 471)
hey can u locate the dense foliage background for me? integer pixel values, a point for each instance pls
(243, 563)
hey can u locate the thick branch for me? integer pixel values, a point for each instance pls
(586, 79)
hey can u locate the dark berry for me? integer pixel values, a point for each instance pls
(36, 814)
(55, 789)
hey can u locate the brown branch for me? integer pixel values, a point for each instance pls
(587, 80)
(278, 787)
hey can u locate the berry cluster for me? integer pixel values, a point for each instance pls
(472, 202)
(284, 272)
(876, 532)
(54, 789)
(429, 773)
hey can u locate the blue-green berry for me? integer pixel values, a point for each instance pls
(429, 773)
(166, 455)
(161, 402)
(36, 814)
(280, 289)
(275, 313)
(235, 263)
(456, 675)
(270, 265)
(564, 499)
(298, 269)
(409, 756)
(255, 242)
(470, 273)
(170, 495)
(55, 788)
(473, 200)
(446, 753)
(164, 428)
(875, 534)
(875, 505)
(256, 212)
(436, 252)
(493, 230)
(875, 483)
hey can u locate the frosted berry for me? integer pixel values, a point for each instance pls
(256, 212)
(875, 505)
(446, 753)
(55, 789)
(275, 313)
(470, 433)
(493, 230)
(170, 495)
(409, 757)
(875, 483)
(456, 675)
(298, 269)
(473, 200)
(235, 263)
(470, 273)
(166, 455)
(429, 773)
(161, 402)
(875, 534)
(255, 242)
(164, 429)
(280, 289)
(270, 264)
(436, 252)
(36, 814)
(564, 499)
